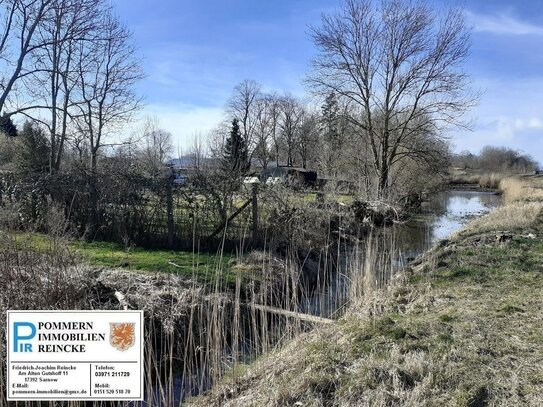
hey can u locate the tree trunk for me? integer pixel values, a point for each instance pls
(382, 187)
(93, 198)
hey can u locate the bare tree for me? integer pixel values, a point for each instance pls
(156, 147)
(38, 52)
(291, 117)
(107, 71)
(398, 64)
(274, 112)
(263, 131)
(216, 138)
(71, 21)
(308, 137)
(197, 152)
(19, 39)
(242, 106)
(504, 159)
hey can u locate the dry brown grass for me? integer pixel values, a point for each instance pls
(519, 215)
(490, 181)
(483, 180)
(522, 189)
(523, 203)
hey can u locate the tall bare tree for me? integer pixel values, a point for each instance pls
(107, 71)
(273, 103)
(263, 131)
(290, 120)
(20, 21)
(156, 147)
(398, 63)
(308, 137)
(71, 21)
(243, 107)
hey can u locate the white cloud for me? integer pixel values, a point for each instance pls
(201, 75)
(509, 127)
(510, 114)
(185, 122)
(535, 123)
(503, 23)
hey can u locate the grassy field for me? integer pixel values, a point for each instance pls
(462, 326)
(203, 266)
(339, 198)
(115, 255)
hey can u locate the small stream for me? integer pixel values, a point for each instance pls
(449, 212)
(401, 243)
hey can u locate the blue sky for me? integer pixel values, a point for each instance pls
(195, 51)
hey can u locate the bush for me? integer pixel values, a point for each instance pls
(496, 159)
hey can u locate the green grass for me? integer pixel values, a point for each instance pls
(107, 254)
(33, 242)
(203, 266)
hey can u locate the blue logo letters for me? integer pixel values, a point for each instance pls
(23, 347)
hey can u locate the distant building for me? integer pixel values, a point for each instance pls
(182, 167)
(293, 175)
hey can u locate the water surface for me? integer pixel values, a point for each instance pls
(397, 245)
(445, 215)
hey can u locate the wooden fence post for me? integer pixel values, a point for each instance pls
(255, 214)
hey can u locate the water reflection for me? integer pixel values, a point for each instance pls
(448, 213)
(397, 245)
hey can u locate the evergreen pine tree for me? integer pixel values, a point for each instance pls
(32, 154)
(330, 115)
(7, 127)
(235, 154)
(331, 137)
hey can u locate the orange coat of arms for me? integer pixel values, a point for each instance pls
(122, 335)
